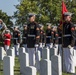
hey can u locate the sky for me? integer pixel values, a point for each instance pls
(8, 6)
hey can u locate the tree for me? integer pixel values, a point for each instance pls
(46, 10)
(5, 18)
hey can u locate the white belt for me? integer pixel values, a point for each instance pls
(15, 38)
(24, 37)
(66, 35)
(48, 36)
(7, 39)
(59, 37)
(31, 35)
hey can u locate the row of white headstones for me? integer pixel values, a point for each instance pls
(50, 64)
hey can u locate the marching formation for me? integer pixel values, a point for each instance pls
(34, 38)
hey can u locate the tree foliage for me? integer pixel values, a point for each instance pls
(5, 18)
(46, 10)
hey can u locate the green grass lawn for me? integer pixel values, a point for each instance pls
(17, 68)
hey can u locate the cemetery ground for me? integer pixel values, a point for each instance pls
(17, 68)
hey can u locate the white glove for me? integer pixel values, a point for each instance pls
(40, 44)
(43, 44)
(36, 45)
(69, 46)
(51, 45)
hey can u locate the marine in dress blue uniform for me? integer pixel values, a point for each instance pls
(33, 36)
(24, 37)
(55, 32)
(16, 40)
(68, 43)
(42, 40)
(49, 42)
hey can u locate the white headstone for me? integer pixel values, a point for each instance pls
(25, 58)
(24, 62)
(39, 54)
(52, 52)
(56, 51)
(56, 65)
(45, 67)
(21, 50)
(38, 58)
(46, 53)
(8, 68)
(10, 52)
(13, 51)
(30, 70)
(2, 53)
